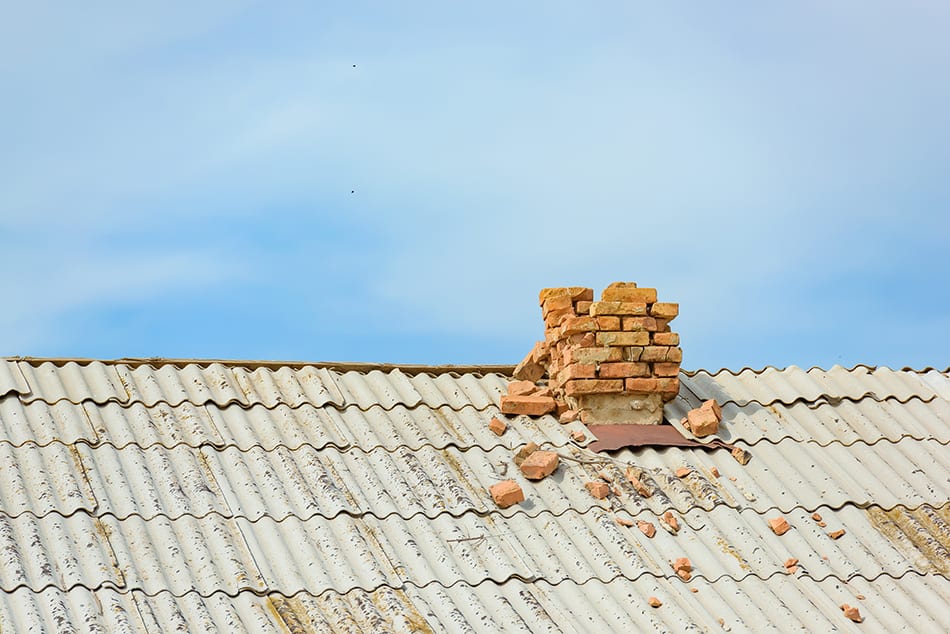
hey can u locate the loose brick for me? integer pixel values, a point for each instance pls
(666, 338)
(702, 422)
(647, 528)
(628, 294)
(592, 386)
(539, 464)
(642, 386)
(791, 561)
(497, 425)
(682, 472)
(522, 388)
(666, 369)
(582, 324)
(623, 521)
(621, 309)
(674, 354)
(836, 534)
(654, 353)
(740, 455)
(578, 371)
(715, 472)
(578, 436)
(568, 416)
(816, 517)
(822, 524)
(527, 405)
(654, 602)
(622, 370)
(670, 522)
(639, 323)
(506, 493)
(607, 322)
(668, 387)
(552, 304)
(779, 525)
(575, 293)
(582, 308)
(683, 568)
(592, 355)
(531, 367)
(623, 338)
(663, 325)
(713, 406)
(664, 310)
(555, 319)
(851, 612)
(524, 452)
(598, 489)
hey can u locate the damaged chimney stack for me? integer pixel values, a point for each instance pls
(614, 360)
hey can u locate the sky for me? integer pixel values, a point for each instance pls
(395, 182)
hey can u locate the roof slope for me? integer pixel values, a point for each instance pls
(149, 497)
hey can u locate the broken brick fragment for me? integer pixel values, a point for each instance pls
(623, 521)
(654, 602)
(539, 464)
(568, 416)
(851, 612)
(506, 493)
(682, 472)
(633, 476)
(527, 405)
(497, 425)
(522, 388)
(791, 562)
(670, 523)
(822, 524)
(713, 406)
(816, 517)
(779, 525)
(578, 436)
(702, 421)
(683, 568)
(524, 452)
(715, 472)
(532, 367)
(694, 590)
(647, 528)
(741, 456)
(836, 534)
(598, 489)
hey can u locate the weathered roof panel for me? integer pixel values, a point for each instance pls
(148, 496)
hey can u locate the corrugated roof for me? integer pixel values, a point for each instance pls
(147, 497)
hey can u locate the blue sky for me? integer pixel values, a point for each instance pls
(396, 181)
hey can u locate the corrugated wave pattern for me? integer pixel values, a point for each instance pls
(216, 497)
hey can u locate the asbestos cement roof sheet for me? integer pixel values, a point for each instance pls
(203, 496)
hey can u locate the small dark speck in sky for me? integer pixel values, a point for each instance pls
(352, 191)
(354, 65)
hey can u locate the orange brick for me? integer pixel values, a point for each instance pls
(623, 338)
(618, 308)
(539, 464)
(598, 489)
(606, 322)
(527, 405)
(779, 525)
(675, 355)
(668, 387)
(654, 353)
(562, 303)
(497, 426)
(506, 493)
(639, 323)
(522, 388)
(622, 370)
(643, 386)
(576, 293)
(583, 307)
(647, 528)
(592, 355)
(662, 325)
(666, 369)
(554, 319)
(575, 325)
(628, 294)
(578, 371)
(632, 353)
(522, 454)
(593, 386)
(665, 310)
(654, 602)
(666, 338)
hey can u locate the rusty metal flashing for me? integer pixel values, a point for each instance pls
(614, 437)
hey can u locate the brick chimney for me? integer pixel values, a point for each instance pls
(613, 361)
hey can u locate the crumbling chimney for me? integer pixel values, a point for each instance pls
(615, 360)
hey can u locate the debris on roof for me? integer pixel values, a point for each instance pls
(142, 496)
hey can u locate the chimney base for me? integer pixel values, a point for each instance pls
(611, 409)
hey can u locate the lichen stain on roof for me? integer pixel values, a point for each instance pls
(240, 496)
